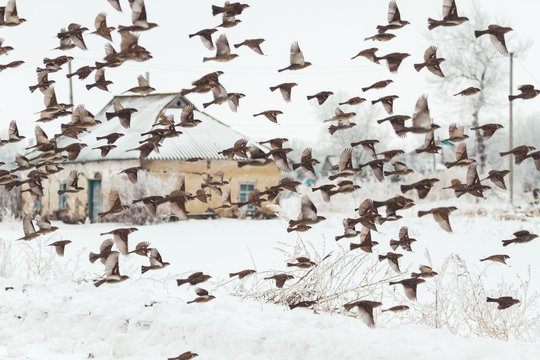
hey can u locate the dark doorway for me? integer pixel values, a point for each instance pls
(94, 199)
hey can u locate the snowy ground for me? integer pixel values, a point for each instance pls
(54, 311)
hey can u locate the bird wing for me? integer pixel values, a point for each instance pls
(106, 245)
(521, 233)
(13, 130)
(72, 178)
(155, 258)
(388, 104)
(526, 88)
(430, 53)
(461, 152)
(472, 176)
(111, 265)
(345, 161)
(377, 168)
(219, 92)
(222, 46)
(28, 226)
(115, 4)
(449, 9)
(306, 155)
(442, 219)
(498, 41)
(429, 138)
(41, 137)
(399, 166)
(187, 113)
(101, 21)
(142, 81)
(297, 58)
(117, 106)
(410, 291)
(100, 75)
(393, 12)
(421, 116)
(403, 233)
(308, 209)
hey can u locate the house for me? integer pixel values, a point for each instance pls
(101, 176)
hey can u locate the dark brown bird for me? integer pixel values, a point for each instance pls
(9, 15)
(321, 96)
(456, 134)
(381, 37)
(404, 240)
(155, 261)
(422, 187)
(394, 19)
(206, 37)
(353, 101)
(4, 49)
(368, 146)
(387, 102)
(393, 60)
(303, 304)
(285, 90)
(229, 9)
(497, 258)
(204, 84)
(193, 279)
(400, 169)
(397, 122)
(112, 271)
(348, 231)
(462, 159)
(138, 18)
(223, 51)
(519, 152)
(390, 154)
(425, 272)
(101, 27)
(82, 72)
(59, 246)
(527, 92)
(307, 162)
(132, 173)
(72, 185)
(392, 260)
(121, 238)
(429, 144)
(12, 64)
(307, 215)
(242, 274)
(111, 138)
(431, 62)
(376, 167)
(504, 302)
(185, 356)
(497, 177)
(253, 44)
(409, 286)
(105, 149)
(450, 16)
(144, 87)
(202, 299)
(397, 308)
(73, 150)
(28, 228)
(368, 54)
(280, 279)
(302, 262)
(536, 158)
(441, 216)
(365, 310)
(344, 166)
(468, 91)
(239, 149)
(270, 115)
(43, 81)
(123, 114)
(393, 205)
(116, 206)
(297, 61)
(74, 33)
(104, 251)
(100, 83)
(496, 34)
(378, 85)
(366, 244)
(521, 237)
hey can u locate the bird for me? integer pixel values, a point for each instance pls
(393, 60)
(381, 37)
(429, 144)
(409, 286)
(229, 9)
(504, 301)
(369, 54)
(280, 279)
(120, 236)
(353, 101)
(488, 130)
(206, 37)
(101, 27)
(519, 152)
(422, 187)
(344, 166)
(28, 228)
(115, 4)
(387, 102)
(82, 72)
(321, 96)
(223, 51)
(378, 85)
(431, 62)
(462, 159)
(400, 169)
(144, 87)
(194, 279)
(43, 81)
(220, 96)
(270, 115)
(368, 145)
(71, 183)
(12, 64)
(497, 177)
(132, 173)
(392, 260)
(441, 216)
(497, 258)
(456, 134)
(155, 261)
(394, 19)
(404, 240)
(105, 149)
(112, 271)
(450, 16)
(303, 304)
(397, 308)
(425, 272)
(306, 164)
(60, 245)
(285, 90)
(9, 15)
(202, 299)
(527, 92)
(340, 115)
(366, 244)
(308, 214)
(242, 274)
(253, 44)
(297, 61)
(100, 83)
(348, 231)
(365, 310)
(74, 33)
(536, 158)
(104, 251)
(4, 49)
(390, 154)
(111, 138)
(302, 262)
(468, 91)
(116, 206)
(496, 34)
(138, 18)
(520, 237)
(185, 356)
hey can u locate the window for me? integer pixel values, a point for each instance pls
(62, 199)
(243, 194)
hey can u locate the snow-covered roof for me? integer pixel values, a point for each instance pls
(204, 140)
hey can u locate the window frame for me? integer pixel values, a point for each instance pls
(62, 198)
(245, 193)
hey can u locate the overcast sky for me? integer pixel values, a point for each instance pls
(329, 34)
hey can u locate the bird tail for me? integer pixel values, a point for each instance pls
(100, 65)
(332, 129)
(418, 67)
(512, 97)
(309, 97)
(273, 88)
(217, 10)
(394, 244)
(507, 242)
(60, 192)
(295, 166)
(144, 269)
(93, 257)
(394, 282)
(191, 302)
(422, 213)
(479, 33)
(233, 274)
(504, 153)
(280, 70)
(348, 307)
(89, 86)
(205, 59)
(388, 173)
(420, 150)
(109, 115)
(290, 264)
(432, 24)
(180, 282)
(491, 299)
(354, 246)
(339, 237)
(205, 105)
(99, 283)
(33, 88)
(366, 88)
(449, 164)
(69, 76)
(378, 204)
(381, 258)
(405, 188)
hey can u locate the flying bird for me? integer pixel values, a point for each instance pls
(297, 61)
(496, 34)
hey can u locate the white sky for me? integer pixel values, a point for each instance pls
(329, 34)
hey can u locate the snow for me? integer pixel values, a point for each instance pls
(55, 312)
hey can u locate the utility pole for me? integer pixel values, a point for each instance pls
(511, 129)
(70, 84)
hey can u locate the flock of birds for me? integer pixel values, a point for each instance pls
(48, 156)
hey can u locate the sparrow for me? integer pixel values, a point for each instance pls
(9, 15)
(121, 238)
(116, 206)
(365, 310)
(13, 134)
(193, 279)
(368, 146)
(504, 302)
(321, 96)
(429, 144)
(400, 169)
(378, 85)
(397, 308)
(353, 101)
(43, 81)
(392, 260)
(390, 154)
(59, 246)
(104, 251)
(132, 173)
(527, 92)
(462, 159)
(105, 149)
(280, 279)
(242, 274)
(302, 262)
(348, 231)
(468, 91)
(393, 205)
(144, 87)
(71, 183)
(223, 51)
(456, 134)
(270, 115)
(431, 62)
(28, 228)
(344, 166)
(308, 214)
(369, 54)
(155, 261)
(285, 90)
(74, 33)
(497, 177)
(497, 258)
(366, 244)
(519, 152)
(340, 115)
(202, 299)
(253, 44)
(404, 240)
(100, 83)
(450, 16)
(376, 167)
(206, 37)
(394, 19)
(185, 356)
(112, 271)
(303, 304)
(101, 27)
(306, 163)
(138, 18)
(441, 216)
(409, 286)
(393, 60)
(536, 158)
(4, 49)
(229, 9)
(387, 102)
(422, 187)
(521, 237)
(12, 64)
(111, 138)
(297, 61)
(496, 34)
(381, 37)
(239, 149)
(425, 272)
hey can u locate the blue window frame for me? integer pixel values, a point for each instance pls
(62, 198)
(243, 194)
